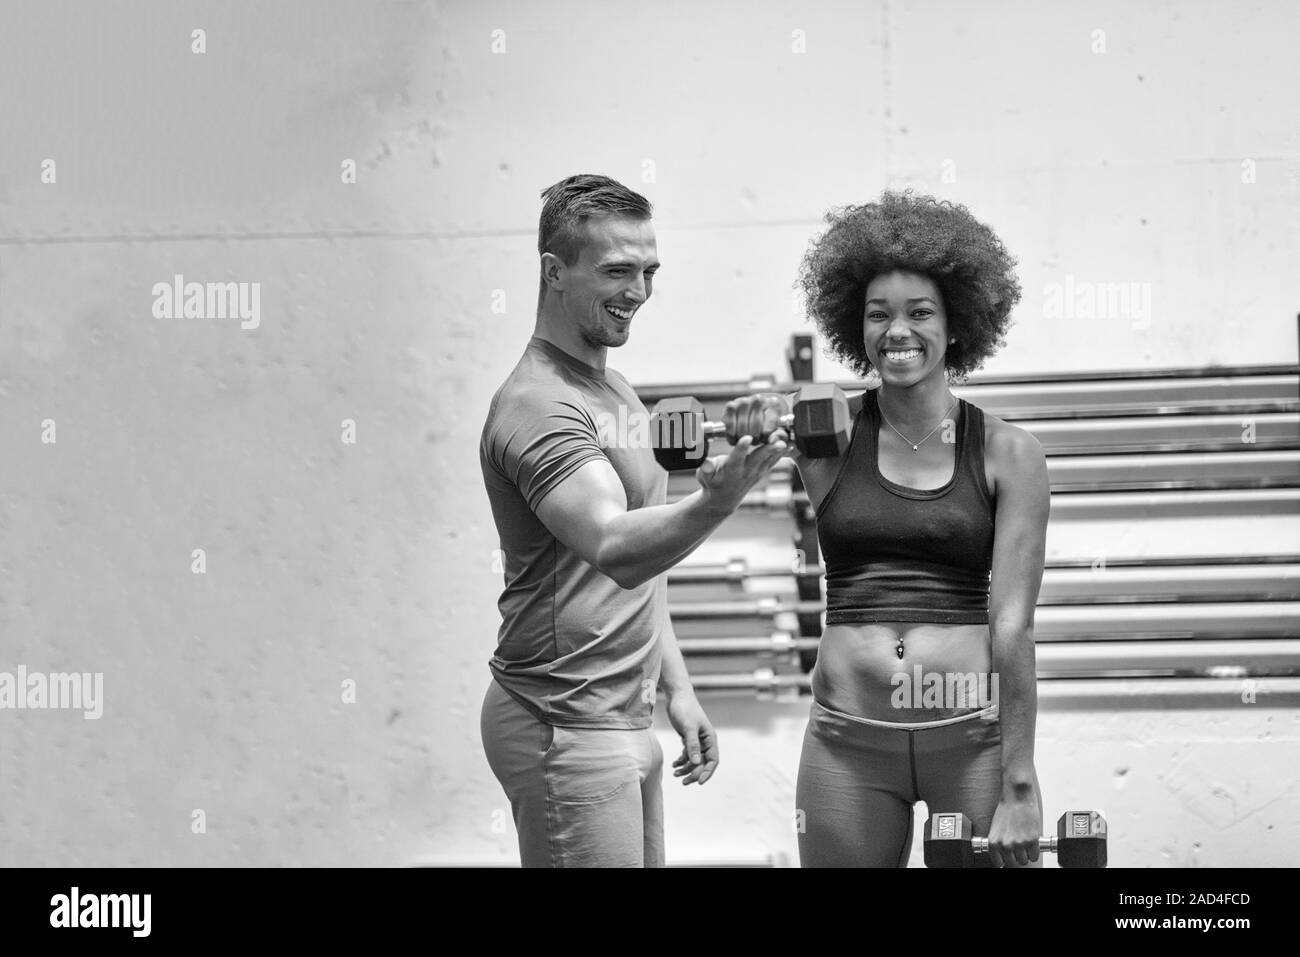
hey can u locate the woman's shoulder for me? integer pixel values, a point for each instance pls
(1006, 438)
(1011, 454)
(856, 401)
(819, 474)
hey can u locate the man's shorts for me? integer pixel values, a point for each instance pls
(581, 797)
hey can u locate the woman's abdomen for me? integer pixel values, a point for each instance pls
(944, 671)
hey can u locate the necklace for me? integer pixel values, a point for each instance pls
(916, 446)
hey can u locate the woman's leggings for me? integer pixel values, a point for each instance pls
(858, 781)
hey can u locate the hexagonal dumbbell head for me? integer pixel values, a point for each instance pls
(677, 434)
(821, 421)
(949, 841)
(1081, 839)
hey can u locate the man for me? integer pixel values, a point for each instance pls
(585, 638)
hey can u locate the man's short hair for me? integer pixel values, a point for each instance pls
(572, 201)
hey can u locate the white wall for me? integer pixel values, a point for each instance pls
(374, 562)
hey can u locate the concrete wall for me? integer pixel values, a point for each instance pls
(1161, 151)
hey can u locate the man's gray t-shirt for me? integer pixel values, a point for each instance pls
(574, 648)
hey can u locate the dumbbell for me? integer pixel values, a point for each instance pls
(819, 425)
(1080, 840)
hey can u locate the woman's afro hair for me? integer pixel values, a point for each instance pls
(919, 234)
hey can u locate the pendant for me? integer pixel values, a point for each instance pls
(899, 649)
(915, 448)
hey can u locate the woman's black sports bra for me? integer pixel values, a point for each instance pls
(894, 553)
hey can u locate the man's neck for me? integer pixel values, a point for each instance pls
(564, 335)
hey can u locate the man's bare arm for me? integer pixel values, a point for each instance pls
(588, 512)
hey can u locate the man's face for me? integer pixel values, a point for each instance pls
(602, 291)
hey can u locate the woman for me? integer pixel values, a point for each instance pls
(932, 526)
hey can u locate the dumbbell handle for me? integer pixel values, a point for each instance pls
(713, 430)
(981, 844)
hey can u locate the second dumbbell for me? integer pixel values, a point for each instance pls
(819, 426)
(1080, 840)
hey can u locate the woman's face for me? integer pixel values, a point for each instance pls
(904, 327)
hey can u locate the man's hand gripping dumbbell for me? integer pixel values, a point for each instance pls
(818, 424)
